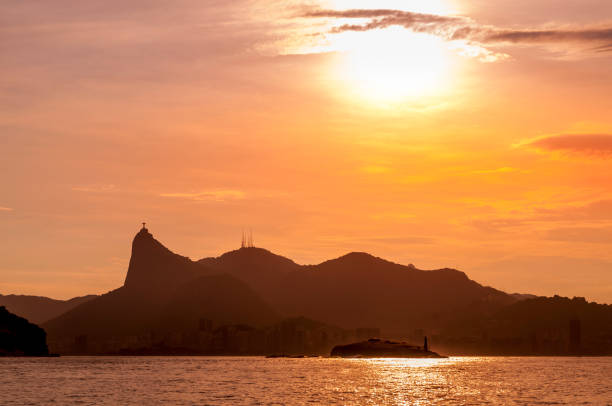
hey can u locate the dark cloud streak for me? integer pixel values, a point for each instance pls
(458, 28)
(591, 144)
(587, 35)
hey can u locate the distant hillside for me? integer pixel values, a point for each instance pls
(39, 309)
(360, 290)
(20, 337)
(522, 296)
(540, 325)
(123, 312)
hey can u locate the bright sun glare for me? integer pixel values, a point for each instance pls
(393, 64)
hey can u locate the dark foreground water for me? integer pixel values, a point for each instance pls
(207, 380)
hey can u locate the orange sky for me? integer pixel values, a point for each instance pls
(326, 133)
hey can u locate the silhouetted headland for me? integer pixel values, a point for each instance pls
(19, 337)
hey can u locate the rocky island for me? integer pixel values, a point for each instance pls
(377, 348)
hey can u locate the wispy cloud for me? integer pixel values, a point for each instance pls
(5, 208)
(505, 169)
(95, 188)
(212, 195)
(418, 22)
(400, 240)
(594, 235)
(376, 169)
(591, 144)
(567, 220)
(539, 36)
(597, 211)
(460, 28)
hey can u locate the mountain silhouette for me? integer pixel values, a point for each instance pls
(221, 298)
(163, 292)
(38, 309)
(166, 295)
(257, 261)
(359, 289)
(154, 269)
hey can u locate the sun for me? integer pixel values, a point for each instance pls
(382, 66)
(392, 65)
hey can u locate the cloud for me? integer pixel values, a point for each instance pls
(505, 169)
(376, 169)
(410, 240)
(418, 22)
(598, 211)
(603, 48)
(538, 36)
(566, 222)
(459, 28)
(208, 195)
(5, 208)
(594, 235)
(591, 144)
(95, 188)
(498, 225)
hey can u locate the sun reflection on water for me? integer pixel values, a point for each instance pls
(258, 380)
(413, 381)
(412, 362)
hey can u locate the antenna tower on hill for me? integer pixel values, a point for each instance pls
(247, 239)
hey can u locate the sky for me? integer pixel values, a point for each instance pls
(469, 134)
